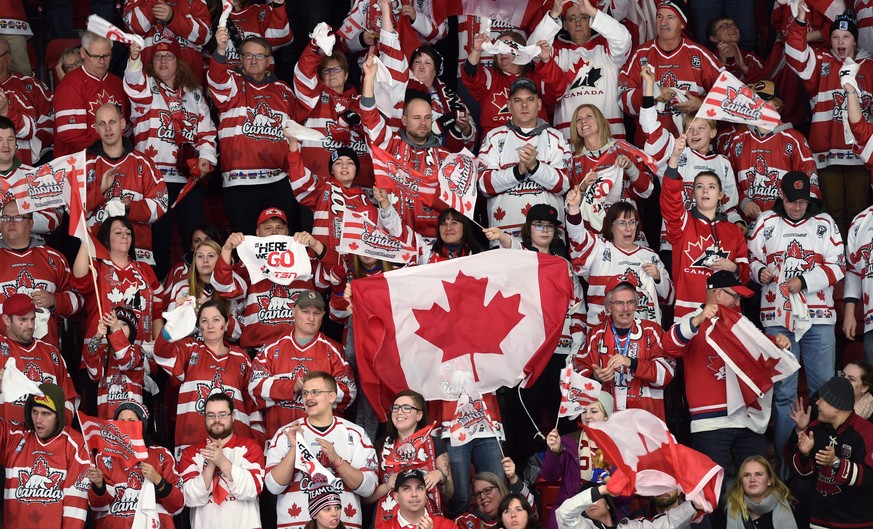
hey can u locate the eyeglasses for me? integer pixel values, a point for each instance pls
(630, 303)
(484, 492)
(625, 223)
(98, 57)
(254, 56)
(217, 416)
(405, 408)
(330, 70)
(16, 218)
(726, 25)
(578, 19)
(161, 57)
(315, 392)
(543, 227)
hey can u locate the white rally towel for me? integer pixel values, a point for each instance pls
(848, 76)
(15, 385)
(115, 208)
(40, 324)
(146, 514)
(301, 133)
(181, 321)
(602, 193)
(226, 8)
(522, 54)
(384, 88)
(323, 38)
(307, 461)
(796, 313)
(102, 27)
(278, 258)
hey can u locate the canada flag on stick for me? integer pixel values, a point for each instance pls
(472, 417)
(474, 323)
(649, 461)
(458, 176)
(118, 439)
(730, 100)
(576, 393)
(361, 236)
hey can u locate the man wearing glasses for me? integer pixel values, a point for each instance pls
(82, 92)
(254, 106)
(796, 253)
(624, 352)
(341, 447)
(223, 475)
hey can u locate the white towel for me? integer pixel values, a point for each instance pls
(325, 41)
(301, 133)
(40, 324)
(146, 514)
(15, 385)
(181, 321)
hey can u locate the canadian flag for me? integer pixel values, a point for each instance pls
(78, 225)
(361, 236)
(471, 417)
(576, 393)
(458, 178)
(730, 100)
(119, 439)
(392, 174)
(753, 364)
(475, 323)
(649, 461)
(410, 453)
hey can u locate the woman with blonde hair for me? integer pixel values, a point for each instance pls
(759, 499)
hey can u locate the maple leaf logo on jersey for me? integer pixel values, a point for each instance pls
(40, 484)
(44, 182)
(276, 306)
(589, 80)
(669, 81)
(466, 308)
(840, 109)
(716, 365)
(336, 136)
(863, 256)
(127, 495)
(763, 181)
(102, 98)
(797, 260)
(263, 124)
(705, 258)
(500, 101)
(24, 284)
(205, 390)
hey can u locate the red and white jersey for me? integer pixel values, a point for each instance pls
(820, 72)
(34, 139)
(811, 249)
(690, 67)
(327, 199)
(280, 365)
(40, 362)
(864, 14)
(471, 25)
(266, 308)
(366, 15)
(597, 260)
(77, 98)
(164, 118)
(633, 189)
(118, 369)
(250, 122)
(763, 159)
(115, 508)
(134, 287)
(510, 197)
(201, 373)
(39, 268)
(240, 508)
(591, 71)
(262, 20)
(403, 455)
(351, 444)
(754, 68)
(45, 483)
(327, 114)
(137, 179)
(181, 289)
(642, 384)
(44, 221)
(859, 266)
(189, 26)
(425, 158)
(697, 242)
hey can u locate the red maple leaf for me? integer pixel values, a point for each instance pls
(462, 436)
(771, 296)
(866, 299)
(821, 295)
(151, 152)
(499, 214)
(350, 511)
(468, 205)
(589, 386)
(525, 209)
(711, 112)
(353, 245)
(25, 205)
(405, 257)
(294, 510)
(563, 410)
(445, 195)
(458, 331)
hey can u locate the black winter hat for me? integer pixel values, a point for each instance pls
(346, 151)
(838, 393)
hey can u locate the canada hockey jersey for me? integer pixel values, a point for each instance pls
(164, 118)
(77, 98)
(351, 444)
(366, 15)
(510, 195)
(116, 506)
(642, 384)
(118, 370)
(859, 268)
(810, 248)
(201, 373)
(33, 139)
(633, 188)
(189, 26)
(262, 20)
(697, 242)
(45, 483)
(280, 365)
(240, 508)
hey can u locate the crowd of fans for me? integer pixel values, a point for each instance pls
(704, 218)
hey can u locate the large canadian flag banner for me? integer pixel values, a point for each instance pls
(474, 323)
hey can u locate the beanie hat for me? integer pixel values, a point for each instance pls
(838, 393)
(128, 316)
(324, 498)
(678, 7)
(135, 407)
(605, 399)
(53, 399)
(846, 22)
(432, 53)
(346, 151)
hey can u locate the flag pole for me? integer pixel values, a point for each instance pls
(87, 244)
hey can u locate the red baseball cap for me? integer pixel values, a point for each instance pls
(272, 213)
(18, 305)
(613, 282)
(168, 45)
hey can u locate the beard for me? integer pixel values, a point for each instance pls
(222, 433)
(665, 501)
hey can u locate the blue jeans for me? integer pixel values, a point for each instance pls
(741, 11)
(729, 447)
(817, 352)
(868, 346)
(485, 455)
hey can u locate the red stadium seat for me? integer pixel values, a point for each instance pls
(53, 52)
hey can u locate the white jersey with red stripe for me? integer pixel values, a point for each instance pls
(859, 268)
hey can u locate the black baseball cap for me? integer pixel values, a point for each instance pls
(725, 279)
